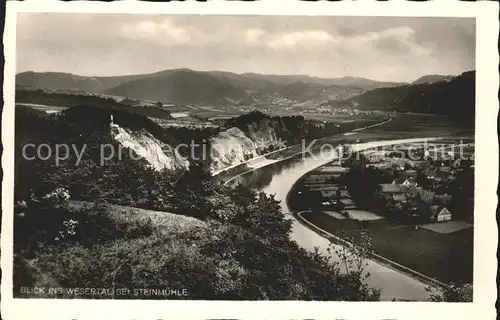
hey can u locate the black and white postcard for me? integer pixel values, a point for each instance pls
(249, 160)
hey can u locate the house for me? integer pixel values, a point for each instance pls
(347, 202)
(344, 194)
(400, 164)
(390, 188)
(411, 190)
(427, 196)
(439, 213)
(386, 190)
(404, 182)
(329, 193)
(397, 181)
(419, 163)
(325, 187)
(409, 182)
(395, 154)
(315, 179)
(383, 165)
(399, 197)
(395, 206)
(407, 174)
(334, 169)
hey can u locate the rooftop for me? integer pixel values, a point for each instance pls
(390, 188)
(334, 169)
(325, 188)
(399, 197)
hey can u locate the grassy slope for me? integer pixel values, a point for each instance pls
(162, 221)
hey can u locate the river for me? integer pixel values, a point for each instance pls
(277, 178)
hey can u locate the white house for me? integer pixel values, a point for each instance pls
(440, 213)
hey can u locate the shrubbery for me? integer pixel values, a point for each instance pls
(241, 250)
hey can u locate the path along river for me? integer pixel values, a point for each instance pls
(278, 177)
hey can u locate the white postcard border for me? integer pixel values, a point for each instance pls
(485, 235)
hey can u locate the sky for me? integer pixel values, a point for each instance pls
(379, 48)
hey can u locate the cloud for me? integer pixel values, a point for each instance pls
(396, 41)
(304, 38)
(402, 32)
(164, 30)
(399, 49)
(253, 35)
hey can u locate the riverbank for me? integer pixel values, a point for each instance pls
(373, 256)
(298, 152)
(430, 253)
(277, 178)
(394, 284)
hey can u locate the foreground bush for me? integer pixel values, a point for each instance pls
(213, 262)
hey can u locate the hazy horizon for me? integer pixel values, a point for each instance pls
(238, 73)
(375, 48)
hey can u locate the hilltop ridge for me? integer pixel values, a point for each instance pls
(438, 94)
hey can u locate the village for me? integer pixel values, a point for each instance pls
(414, 184)
(415, 202)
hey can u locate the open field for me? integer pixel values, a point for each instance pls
(447, 227)
(222, 113)
(183, 122)
(423, 125)
(42, 107)
(445, 257)
(164, 222)
(176, 115)
(334, 214)
(362, 215)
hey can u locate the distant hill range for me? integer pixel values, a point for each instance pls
(432, 78)
(214, 88)
(68, 81)
(441, 94)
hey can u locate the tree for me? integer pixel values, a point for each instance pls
(450, 293)
(363, 183)
(462, 193)
(194, 189)
(262, 215)
(422, 180)
(354, 253)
